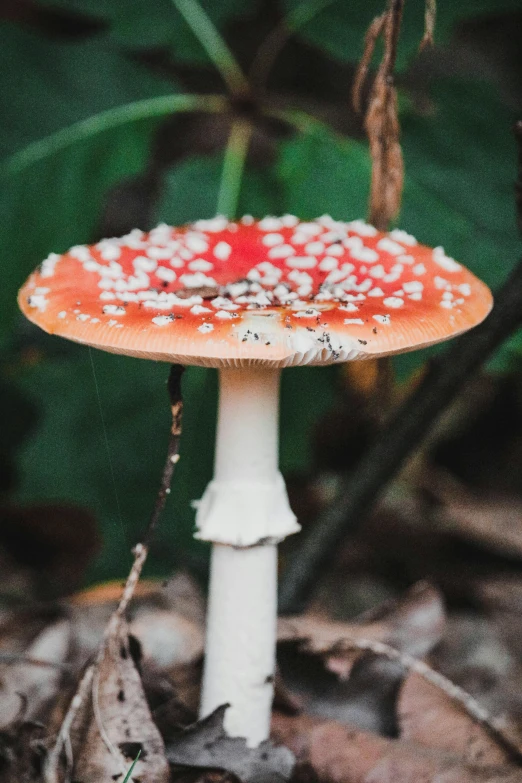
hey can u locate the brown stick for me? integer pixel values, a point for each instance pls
(382, 127)
(430, 15)
(370, 39)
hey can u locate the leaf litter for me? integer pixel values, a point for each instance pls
(343, 711)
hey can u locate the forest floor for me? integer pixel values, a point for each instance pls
(406, 665)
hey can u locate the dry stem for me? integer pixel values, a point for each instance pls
(430, 14)
(382, 122)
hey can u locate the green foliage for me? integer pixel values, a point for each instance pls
(323, 173)
(338, 27)
(191, 191)
(460, 172)
(102, 443)
(47, 86)
(460, 166)
(152, 24)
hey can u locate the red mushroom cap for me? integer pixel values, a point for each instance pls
(274, 292)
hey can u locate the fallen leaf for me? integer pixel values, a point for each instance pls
(490, 519)
(428, 716)
(114, 722)
(413, 623)
(168, 639)
(500, 592)
(333, 753)
(21, 751)
(166, 618)
(206, 745)
(37, 682)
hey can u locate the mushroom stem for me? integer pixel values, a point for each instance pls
(247, 442)
(245, 512)
(241, 638)
(246, 503)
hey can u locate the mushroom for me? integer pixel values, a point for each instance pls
(249, 298)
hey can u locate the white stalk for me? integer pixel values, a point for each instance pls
(245, 512)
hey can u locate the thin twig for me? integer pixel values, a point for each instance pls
(457, 694)
(445, 378)
(233, 167)
(214, 45)
(18, 658)
(430, 15)
(63, 738)
(176, 409)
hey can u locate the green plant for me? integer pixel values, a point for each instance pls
(128, 776)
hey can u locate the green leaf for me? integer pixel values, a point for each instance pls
(56, 202)
(191, 191)
(321, 172)
(461, 165)
(339, 28)
(152, 24)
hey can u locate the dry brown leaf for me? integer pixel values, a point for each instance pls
(21, 752)
(429, 717)
(413, 624)
(370, 39)
(167, 619)
(430, 15)
(500, 593)
(382, 126)
(168, 639)
(342, 754)
(36, 683)
(383, 129)
(114, 722)
(492, 520)
(205, 744)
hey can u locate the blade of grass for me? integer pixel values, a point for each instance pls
(233, 168)
(129, 773)
(214, 45)
(120, 115)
